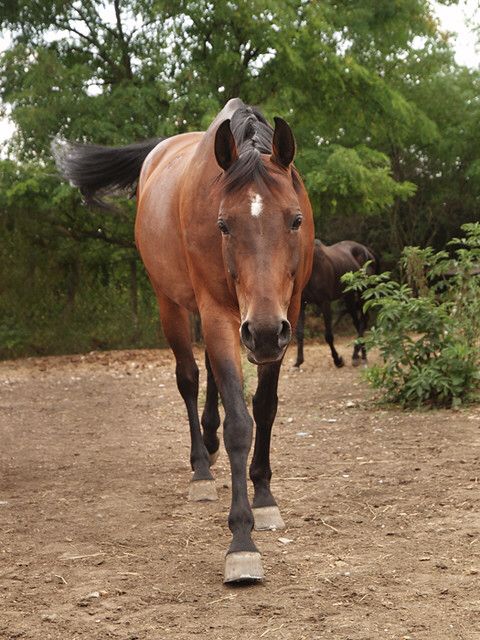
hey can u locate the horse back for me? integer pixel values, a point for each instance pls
(330, 263)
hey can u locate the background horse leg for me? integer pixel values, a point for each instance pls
(327, 317)
(299, 333)
(210, 415)
(243, 562)
(265, 402)
(176, 327)
(354, 309)
(363, 328)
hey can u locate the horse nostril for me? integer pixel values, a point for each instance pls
(247, 337)
(284, 334)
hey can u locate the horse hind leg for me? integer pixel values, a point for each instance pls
(363, 328)
(210, 416)
(354, 309)
(176, 327)
(327, 317)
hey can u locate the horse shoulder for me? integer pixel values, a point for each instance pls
(164, 155)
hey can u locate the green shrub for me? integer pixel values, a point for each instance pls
(427, 329)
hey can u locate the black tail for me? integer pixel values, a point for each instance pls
(99, 171)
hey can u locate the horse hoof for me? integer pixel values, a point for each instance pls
(213, 457)
(356, 362)
(340, 363)
(268, 518)
(202, 491)
(243, 567)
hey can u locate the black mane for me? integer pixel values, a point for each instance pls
(253, 136)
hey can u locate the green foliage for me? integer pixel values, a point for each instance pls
(429, 344)
(361, 175)
(66, 285)
(386, 129)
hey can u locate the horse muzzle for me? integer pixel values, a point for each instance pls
(265, 342)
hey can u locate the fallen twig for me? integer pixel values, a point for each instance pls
(230, 597)
(329, 525)
(268, 631)
(90, 555)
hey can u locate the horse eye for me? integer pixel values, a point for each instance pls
(223, 227)
(297, 222)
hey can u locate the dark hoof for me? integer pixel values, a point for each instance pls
(202, 491)
(268, 518)
(243, 567)
(340, 363)
(356, 362)
(298, 364)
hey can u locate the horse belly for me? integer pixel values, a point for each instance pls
(159, 241)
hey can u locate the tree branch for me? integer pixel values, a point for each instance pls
(123, 43)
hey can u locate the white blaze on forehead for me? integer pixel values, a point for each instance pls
(256, 204)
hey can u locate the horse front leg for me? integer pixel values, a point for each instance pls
(243, 562)
(300, 331)
(265, 402)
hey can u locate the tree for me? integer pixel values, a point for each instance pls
(381, 157)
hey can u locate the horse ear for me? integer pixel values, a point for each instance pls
(225, 147)
(283, 146)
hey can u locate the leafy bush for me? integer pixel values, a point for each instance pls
(427, 329)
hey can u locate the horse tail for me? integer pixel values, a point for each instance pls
(98, 171)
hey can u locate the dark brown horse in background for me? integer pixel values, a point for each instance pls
(224, 227)
(325, 286)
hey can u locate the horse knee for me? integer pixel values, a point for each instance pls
(237, 434)
(187, 379)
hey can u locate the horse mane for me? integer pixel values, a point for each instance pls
(253, 136)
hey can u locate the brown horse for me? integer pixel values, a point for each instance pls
(224, 227)
(325, 286)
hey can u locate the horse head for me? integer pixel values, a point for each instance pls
(267, 230)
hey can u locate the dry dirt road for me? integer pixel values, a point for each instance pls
(98, 541)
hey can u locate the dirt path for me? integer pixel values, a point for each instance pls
(97, 539)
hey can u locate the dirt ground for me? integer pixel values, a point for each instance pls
(98, 541)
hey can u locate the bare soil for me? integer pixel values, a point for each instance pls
(98, 540)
